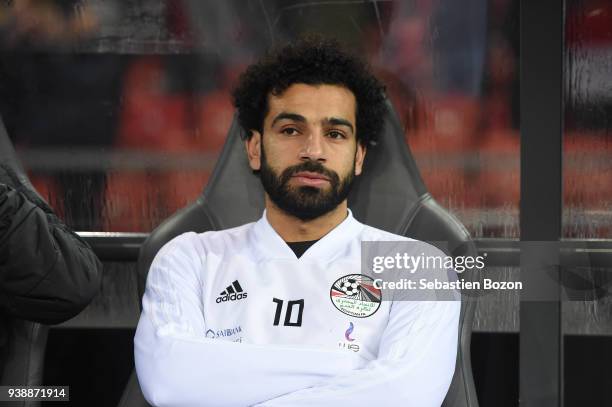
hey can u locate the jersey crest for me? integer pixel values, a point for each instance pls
(355, 295)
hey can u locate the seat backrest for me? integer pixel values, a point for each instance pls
(22, 343)
(389, 195)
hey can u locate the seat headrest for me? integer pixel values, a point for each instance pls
(384, 195)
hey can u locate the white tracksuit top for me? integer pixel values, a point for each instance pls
(234, 318)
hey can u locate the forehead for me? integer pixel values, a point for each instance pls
(314, 102)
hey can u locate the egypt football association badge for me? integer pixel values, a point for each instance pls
(355, 295)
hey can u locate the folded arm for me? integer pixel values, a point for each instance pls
(414, 367)
(177, 365)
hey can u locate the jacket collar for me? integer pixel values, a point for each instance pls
(269, 245)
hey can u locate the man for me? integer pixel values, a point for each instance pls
(276, 312)
(48, 274)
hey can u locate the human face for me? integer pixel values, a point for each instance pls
(309, 155)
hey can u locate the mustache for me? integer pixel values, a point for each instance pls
(310, 166)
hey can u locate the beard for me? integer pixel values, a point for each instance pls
(305, 202)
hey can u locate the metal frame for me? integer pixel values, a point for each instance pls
(119, 246)
(112, 246)
(541, 109)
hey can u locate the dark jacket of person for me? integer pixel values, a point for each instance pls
(48, 274)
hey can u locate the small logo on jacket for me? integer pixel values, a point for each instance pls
(233, 292)
(348, 332)
(349, 344)
(229, 333)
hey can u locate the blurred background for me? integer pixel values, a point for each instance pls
(119, 109)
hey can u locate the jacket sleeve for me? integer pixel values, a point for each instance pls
(48, 274)
(178, 366)
(414, 367)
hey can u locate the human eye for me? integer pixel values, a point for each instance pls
(290, 131)
(336, 135)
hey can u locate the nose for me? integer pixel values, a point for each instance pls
(313, 147)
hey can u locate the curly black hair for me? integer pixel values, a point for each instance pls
(312, 60)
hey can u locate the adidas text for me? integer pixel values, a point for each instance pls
(231, 297)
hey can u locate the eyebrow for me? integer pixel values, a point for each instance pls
(290, 116)
(334, 121)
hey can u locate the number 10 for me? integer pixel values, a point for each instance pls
(290, 305)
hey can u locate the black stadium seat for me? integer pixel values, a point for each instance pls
(390, 195)
(22, 343)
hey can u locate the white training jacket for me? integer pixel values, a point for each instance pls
(233, 318)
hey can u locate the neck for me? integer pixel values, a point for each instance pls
(292, 229)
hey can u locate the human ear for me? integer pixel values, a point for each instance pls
(253, 149)
(360, 154)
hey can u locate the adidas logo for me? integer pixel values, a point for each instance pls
(233, 292)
